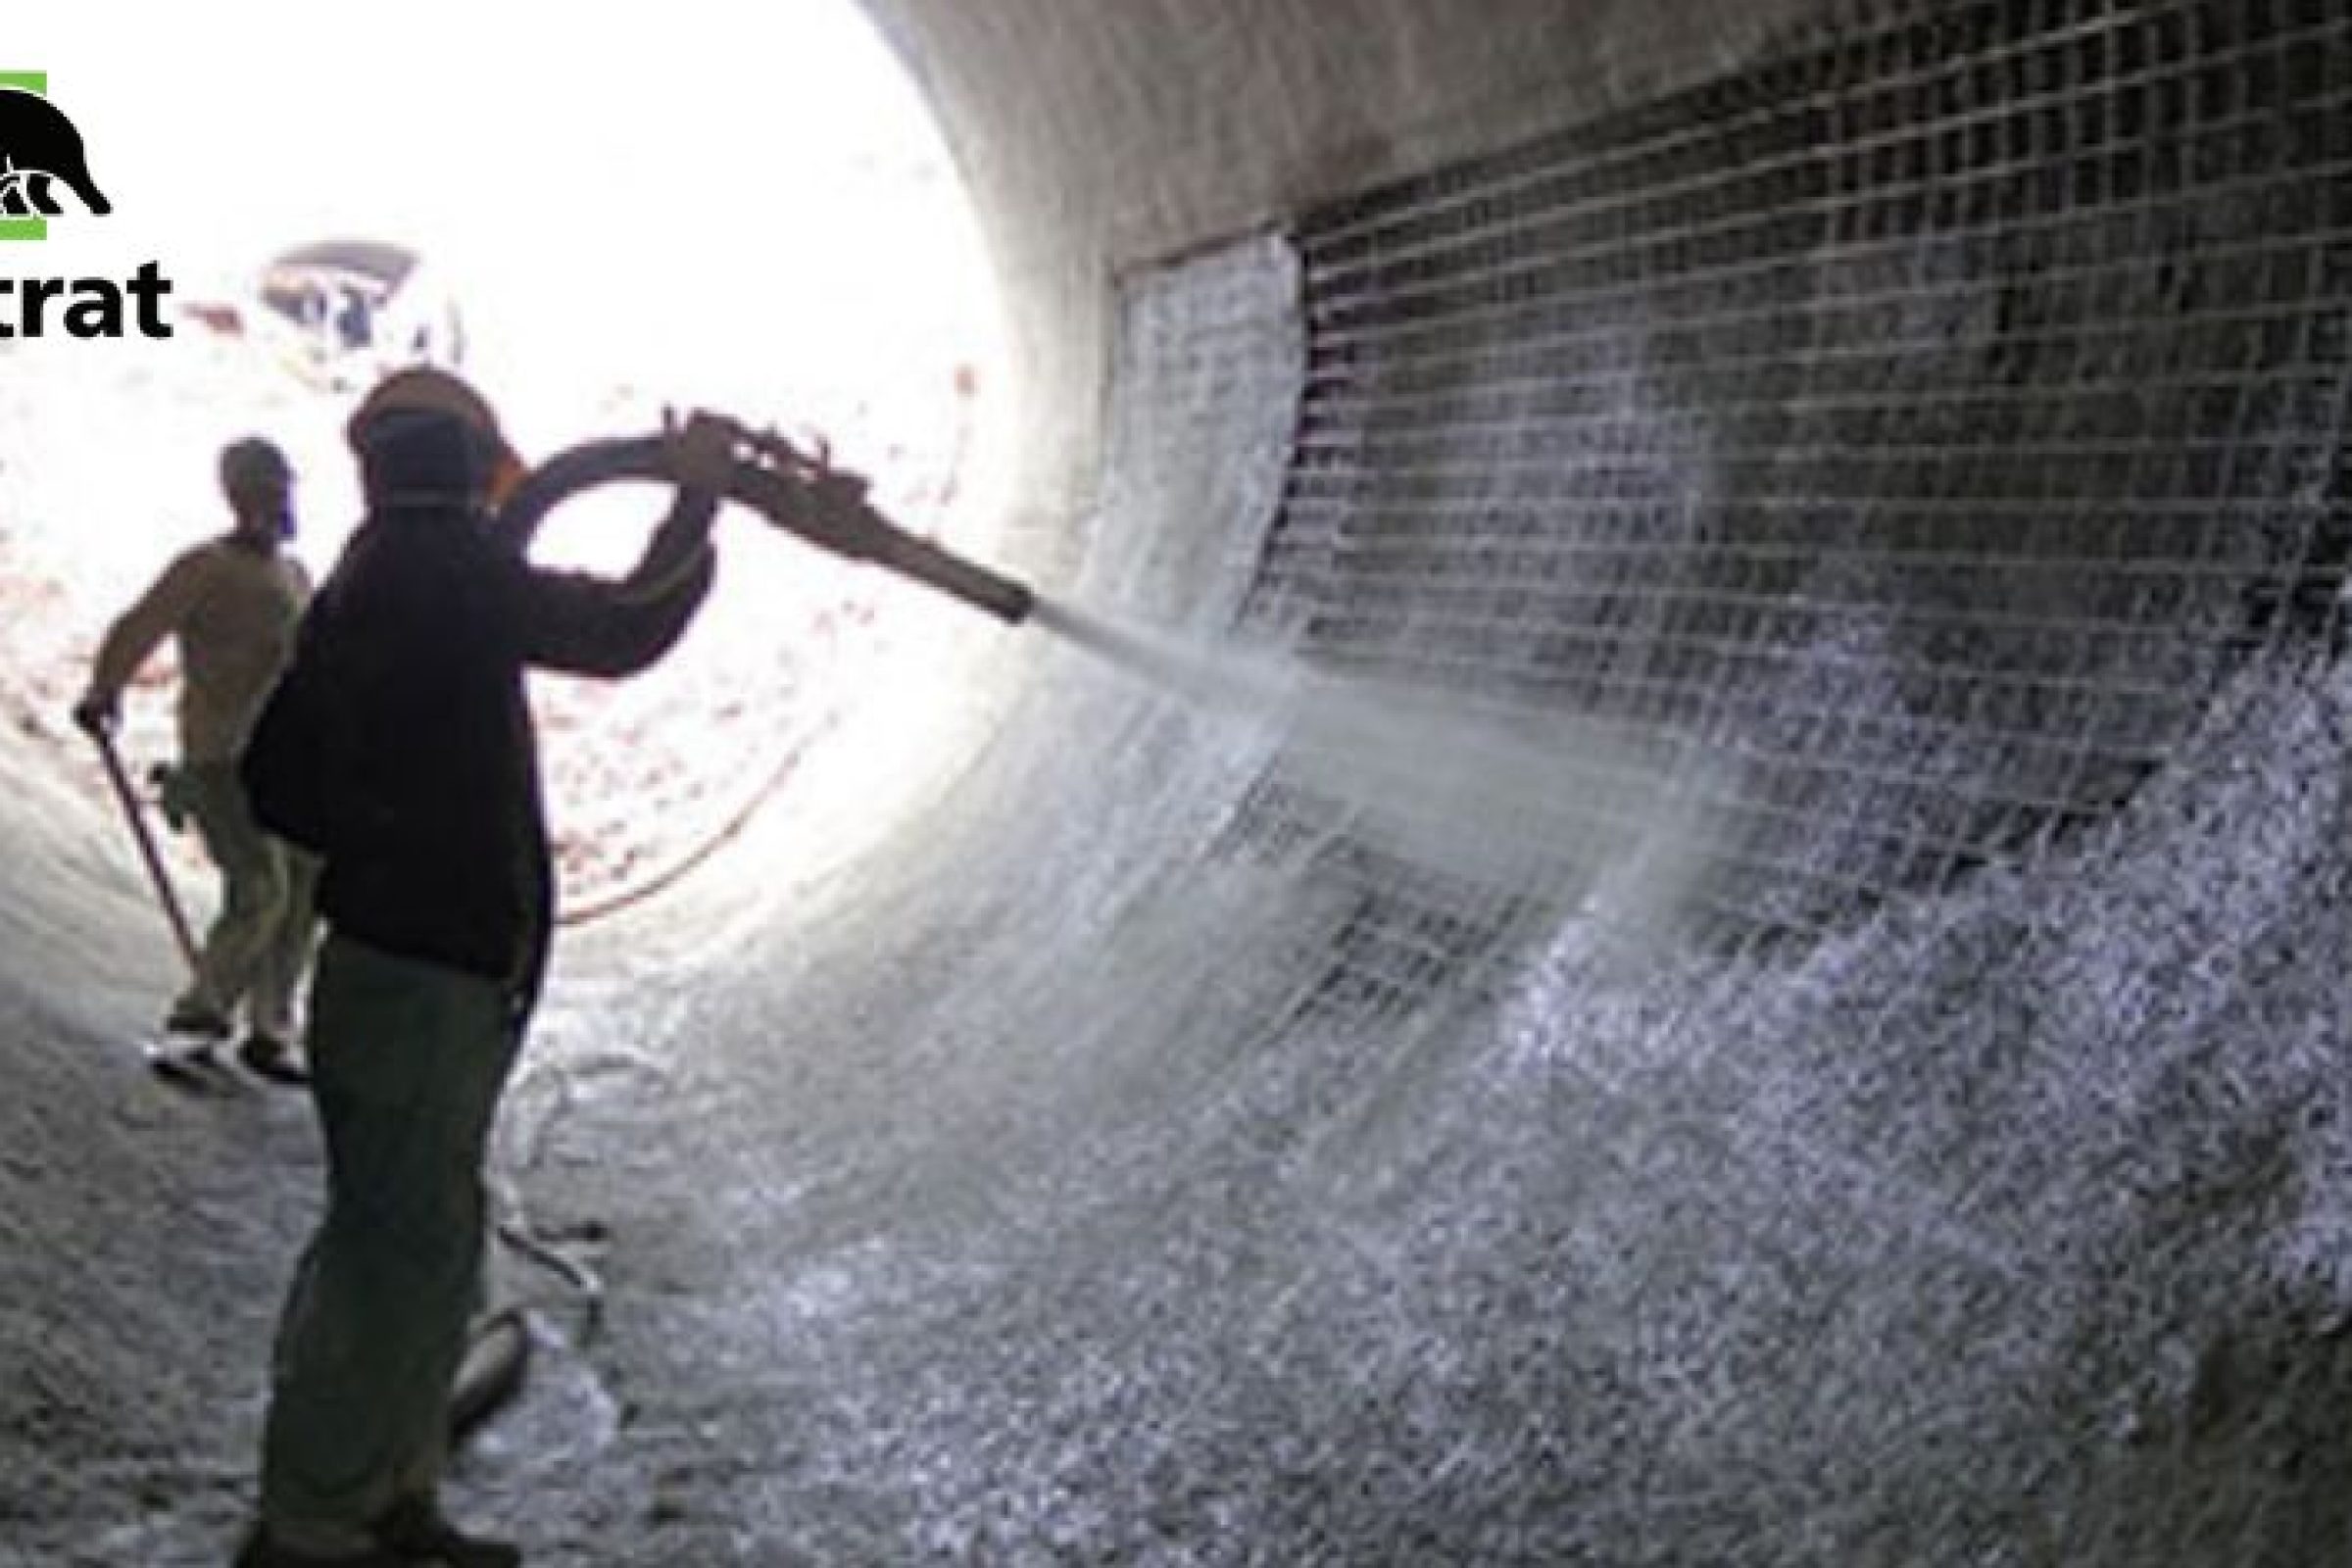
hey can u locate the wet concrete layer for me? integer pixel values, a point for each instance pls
(1178, 1131)
(1127, 1170)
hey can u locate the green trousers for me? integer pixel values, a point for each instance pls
(408, 1060)
(257, 946)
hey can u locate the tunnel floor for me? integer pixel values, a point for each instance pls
(964, 1218)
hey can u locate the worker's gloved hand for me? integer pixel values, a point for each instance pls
(96, 713)
(701, 454)
(174, 795)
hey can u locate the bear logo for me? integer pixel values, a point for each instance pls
(40, 150)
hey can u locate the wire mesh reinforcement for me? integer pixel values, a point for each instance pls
(1916, 425)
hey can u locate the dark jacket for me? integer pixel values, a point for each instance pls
(399, 746)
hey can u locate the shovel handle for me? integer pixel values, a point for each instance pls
(128, 799)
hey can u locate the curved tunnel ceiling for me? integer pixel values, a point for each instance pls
(1712, 940)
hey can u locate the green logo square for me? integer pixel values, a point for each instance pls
(24, 228)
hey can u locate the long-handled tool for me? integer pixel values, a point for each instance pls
(128, 799)
(798, 493)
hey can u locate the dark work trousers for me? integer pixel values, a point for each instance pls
(408, 1060)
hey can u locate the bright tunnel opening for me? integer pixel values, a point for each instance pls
(742, 208)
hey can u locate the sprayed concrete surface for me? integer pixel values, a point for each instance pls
(1156, 1091)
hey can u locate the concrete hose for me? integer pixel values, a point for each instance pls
(828, 511)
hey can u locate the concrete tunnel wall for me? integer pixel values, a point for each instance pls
(1894, 1112)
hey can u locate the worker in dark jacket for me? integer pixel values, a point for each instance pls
(400, 748)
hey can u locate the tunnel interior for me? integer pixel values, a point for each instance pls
(1694, 921)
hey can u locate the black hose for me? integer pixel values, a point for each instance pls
(834, 517)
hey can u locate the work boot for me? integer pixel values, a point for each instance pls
(260, 1551)
(414, 1529)
(200, 1019)
(265, 1055)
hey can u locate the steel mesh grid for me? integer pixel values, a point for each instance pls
(1924, 420)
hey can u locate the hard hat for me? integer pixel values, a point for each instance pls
(250, 461)
(421, 396)
(423, 390)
